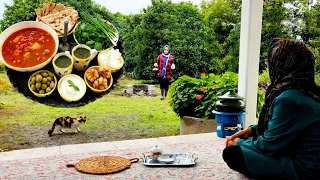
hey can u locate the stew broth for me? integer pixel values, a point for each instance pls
(28, 47)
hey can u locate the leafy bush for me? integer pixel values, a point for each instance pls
(211, 87)
(197, 97)
(260, 101)
(264, 77)
(21, 10)
(183, 93)
(317, 79)
(264, 81)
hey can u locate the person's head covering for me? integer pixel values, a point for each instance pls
(291, 66)
(164, 47)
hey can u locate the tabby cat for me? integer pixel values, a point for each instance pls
(67, 122)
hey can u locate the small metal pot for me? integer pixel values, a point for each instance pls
(230, 102)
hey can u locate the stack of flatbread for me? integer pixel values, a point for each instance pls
(54, 15)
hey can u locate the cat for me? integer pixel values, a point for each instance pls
(67, 122)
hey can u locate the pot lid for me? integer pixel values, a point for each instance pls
(155, 149)
(231, 95)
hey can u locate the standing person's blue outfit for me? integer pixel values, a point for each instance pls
(286, 142)
(164, 69)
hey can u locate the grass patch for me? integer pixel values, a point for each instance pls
(2, 67)
(109, 118)
(5, 85)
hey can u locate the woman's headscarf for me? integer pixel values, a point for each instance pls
(164, 47)
(291, 66)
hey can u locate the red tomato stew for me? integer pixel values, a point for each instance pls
(28, 47)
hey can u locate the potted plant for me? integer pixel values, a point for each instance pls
(193, 99)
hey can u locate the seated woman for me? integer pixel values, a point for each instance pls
(286, 142)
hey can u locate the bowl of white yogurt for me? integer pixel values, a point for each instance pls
(71, 87)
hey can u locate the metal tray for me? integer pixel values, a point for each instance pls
(171, 160)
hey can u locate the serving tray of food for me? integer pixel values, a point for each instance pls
(62, 71)
(180, 159)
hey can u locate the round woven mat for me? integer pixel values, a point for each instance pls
(100, 165)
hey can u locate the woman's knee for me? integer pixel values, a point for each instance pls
(230, 153)
(225, 154)
(233, 156)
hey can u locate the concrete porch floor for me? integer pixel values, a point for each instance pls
(50, 162)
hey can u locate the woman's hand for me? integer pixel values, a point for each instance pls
(155, 70)
(232, 142)
(155, 65)
(244, 134)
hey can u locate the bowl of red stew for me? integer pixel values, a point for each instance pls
(28, 46)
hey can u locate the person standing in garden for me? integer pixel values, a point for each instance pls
(163, 67)
(285, 144)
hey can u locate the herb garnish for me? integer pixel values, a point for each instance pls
(88, 34)
(108, 30)
(71, 84)
(94, 32)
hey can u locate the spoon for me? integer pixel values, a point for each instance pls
(64, 46)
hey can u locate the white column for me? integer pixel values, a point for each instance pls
(250, 39)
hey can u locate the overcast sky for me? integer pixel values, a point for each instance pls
(123, 6)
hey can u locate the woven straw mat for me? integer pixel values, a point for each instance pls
(104, 164)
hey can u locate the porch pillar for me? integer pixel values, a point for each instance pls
(250, 39)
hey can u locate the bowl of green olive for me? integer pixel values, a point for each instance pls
(42, 83)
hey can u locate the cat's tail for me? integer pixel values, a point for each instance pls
(52, 129)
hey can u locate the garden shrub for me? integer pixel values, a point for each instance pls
(196, 97)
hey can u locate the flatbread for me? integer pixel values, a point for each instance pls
(56, 20)
(47, 9)
(54, 15)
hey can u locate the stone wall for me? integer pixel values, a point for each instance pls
(192, 125)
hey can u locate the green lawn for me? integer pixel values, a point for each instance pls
(25, 123)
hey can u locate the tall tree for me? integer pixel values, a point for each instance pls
(177, 24)
(304, 16)
(132, 35)
(310, 30)
(222, 18)
(273, 26)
